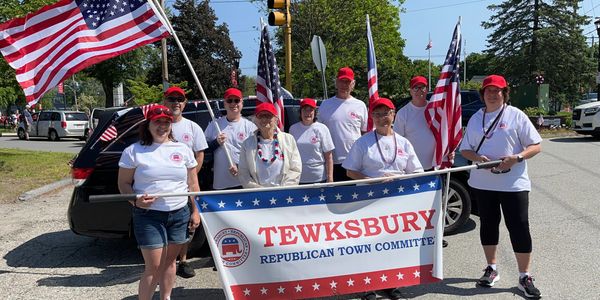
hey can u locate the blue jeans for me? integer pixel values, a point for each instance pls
(156, 229)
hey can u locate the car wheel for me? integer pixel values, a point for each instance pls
(53, 135)
(21, 133)
(459, 206)
(195, 246)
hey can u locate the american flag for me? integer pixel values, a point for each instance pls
(111, 132)
(267, 79)
(372, 75)
(443, 111)
(429, 45)
(48, 46)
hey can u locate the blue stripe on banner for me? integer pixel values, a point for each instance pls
(317, 196)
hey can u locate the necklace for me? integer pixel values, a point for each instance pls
(276, 149)
(490, 132)
(381, 153)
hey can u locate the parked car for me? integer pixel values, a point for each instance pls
(56, 124)
(586, 119)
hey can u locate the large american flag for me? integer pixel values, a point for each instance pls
(372, 75)
(48, 46)
(267, 79)
(443, 111)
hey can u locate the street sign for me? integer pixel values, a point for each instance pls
(320, 59)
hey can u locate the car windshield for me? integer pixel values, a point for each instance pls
(76, 117)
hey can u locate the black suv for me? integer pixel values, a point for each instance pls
(95, 168)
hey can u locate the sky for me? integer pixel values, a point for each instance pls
(419, 19)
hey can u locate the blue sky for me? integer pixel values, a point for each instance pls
(421, 17)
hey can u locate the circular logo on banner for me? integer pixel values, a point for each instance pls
(186, 137)
(176, 157)
(234, 247)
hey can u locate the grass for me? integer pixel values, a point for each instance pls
(3, 129)
(23, 170)
(558, 132)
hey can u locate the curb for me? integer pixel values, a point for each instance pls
(13, 134)
(44, 189)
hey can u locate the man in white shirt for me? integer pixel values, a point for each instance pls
(189, 133)
(346, 119)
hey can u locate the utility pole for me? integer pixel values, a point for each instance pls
(165, 65)
(465, 64)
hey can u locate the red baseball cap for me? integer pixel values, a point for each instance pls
(308, 102)
(494, 80)
(383, 102)
(345, 73)
(232, 92)
(159, 111)
(173, 90)
(265, 106)
(418, 80)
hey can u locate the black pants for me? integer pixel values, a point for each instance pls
(515, 207)
(339, 173)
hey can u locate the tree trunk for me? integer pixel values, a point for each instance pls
(107, 86)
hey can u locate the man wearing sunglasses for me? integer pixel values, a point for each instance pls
(189, 133)
(234, 130)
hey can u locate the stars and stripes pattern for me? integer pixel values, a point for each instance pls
(111, 132)
(267, 80)
(372, 73)
(48, 46)
(429, 45)
(443, 111)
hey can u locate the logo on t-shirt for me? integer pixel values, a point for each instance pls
(354, 115)
(241, 136)
(314, 139)
(234, 247)
(400, 152)
(186, 137)
(503, 125)
(176, 157)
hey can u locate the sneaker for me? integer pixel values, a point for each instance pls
(369, 296)
(185, 270)
(527, 287)
(489, 277)
(444, 244)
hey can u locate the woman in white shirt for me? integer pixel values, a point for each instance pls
(502, 131)
(269, 157)
(315, 145)
(158, 164)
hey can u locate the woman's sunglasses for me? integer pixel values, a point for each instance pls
(158, 111)
(175, 99)
(236, 101)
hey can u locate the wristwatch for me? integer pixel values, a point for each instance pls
(520, 158)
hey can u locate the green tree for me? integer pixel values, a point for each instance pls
(539, 37)
(478, 64)
(208, 46)
(341, 24)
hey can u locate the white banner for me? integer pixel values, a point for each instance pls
(317, 242)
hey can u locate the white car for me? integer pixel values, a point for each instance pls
(57, 124)
(586, 119)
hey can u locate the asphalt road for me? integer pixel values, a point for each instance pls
(43, 259)
(42, 144)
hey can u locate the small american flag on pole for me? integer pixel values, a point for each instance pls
(372, 75)
(48, 46)
(267, 79)
(443, 111)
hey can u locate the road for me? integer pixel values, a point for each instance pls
(42, 144)
(42, 259)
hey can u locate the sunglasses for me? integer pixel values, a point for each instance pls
(175, 99)
(236, 101)
(419, 88)
(158, 111)
(382, 114)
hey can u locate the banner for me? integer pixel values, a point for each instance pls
(306, 242)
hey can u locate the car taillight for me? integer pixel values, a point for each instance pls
(79, 175)
(63, 124)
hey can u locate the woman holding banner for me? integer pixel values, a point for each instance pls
(269, 157)
(315, 145)
(158, 164)
(501, 131)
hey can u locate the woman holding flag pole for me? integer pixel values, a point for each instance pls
(501, 131)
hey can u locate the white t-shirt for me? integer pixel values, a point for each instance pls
(189, 133)
(411, 123)
(236, 133)
(313, 141)
(269, 173)
(513, 133)
(364, 157)
(160, 168)
(345, 120)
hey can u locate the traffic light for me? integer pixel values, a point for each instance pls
(281, 16)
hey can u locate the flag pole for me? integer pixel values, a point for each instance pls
(429, 63)
(189, 64)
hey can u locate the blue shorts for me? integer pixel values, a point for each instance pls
(156, 229)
